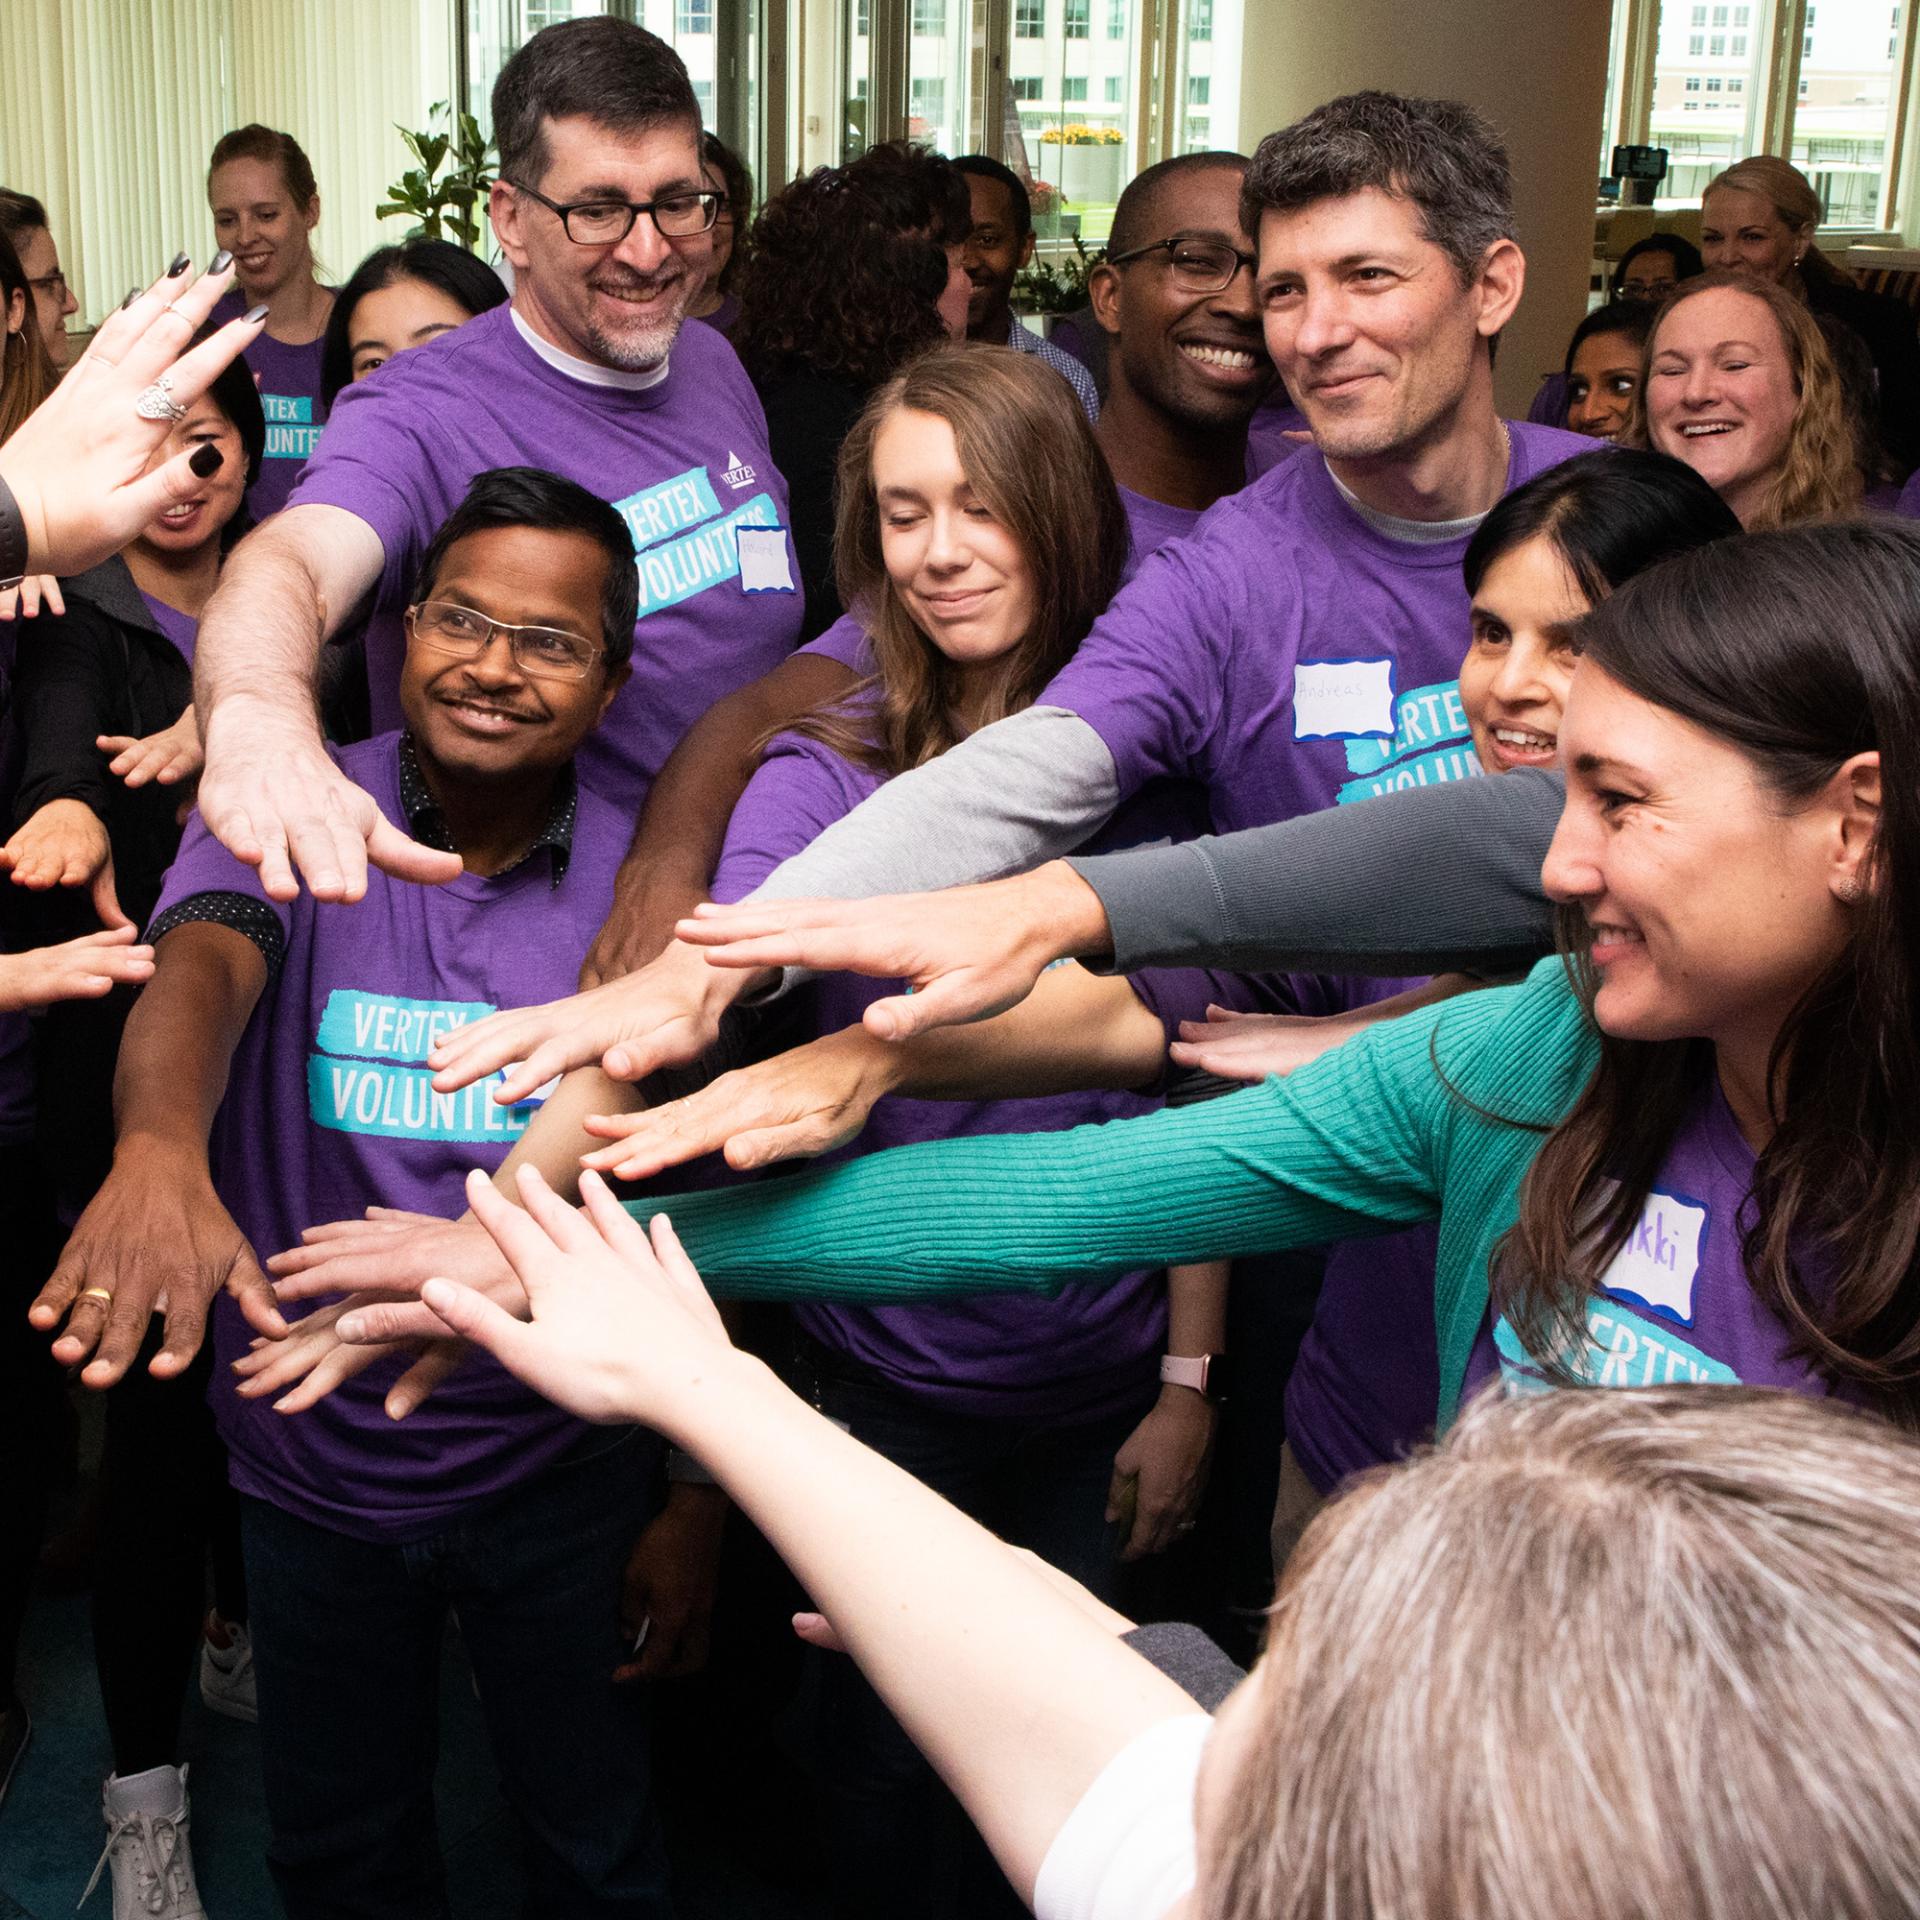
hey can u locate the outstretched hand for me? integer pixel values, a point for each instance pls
(809, 1100)
(81, 969)
(622, 1327)
(969, 952)
(666, 1015)
(78, 464)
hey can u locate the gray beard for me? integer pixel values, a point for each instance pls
(634, 353)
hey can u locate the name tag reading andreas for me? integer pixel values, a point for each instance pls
(1343, 700)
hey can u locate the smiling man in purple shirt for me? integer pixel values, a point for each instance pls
(273, 1075)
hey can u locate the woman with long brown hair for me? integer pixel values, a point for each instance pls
(979, 535)
(1739, 383)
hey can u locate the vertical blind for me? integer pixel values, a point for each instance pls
(109, 109)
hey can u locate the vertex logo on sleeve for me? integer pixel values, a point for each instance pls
(738, 474)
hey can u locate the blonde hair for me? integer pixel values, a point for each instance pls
(1790, 194)
(1028, 452)
(1613, 1653)
(1819, 476)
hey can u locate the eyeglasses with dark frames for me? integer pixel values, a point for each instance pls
(547, 653)
(1199, 266)
(54, 283)
(605, 223)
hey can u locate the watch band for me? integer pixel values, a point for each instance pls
(1199, 1371)
(13, 540)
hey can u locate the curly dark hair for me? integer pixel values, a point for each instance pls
(848, 265)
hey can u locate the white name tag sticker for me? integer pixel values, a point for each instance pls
(764, 566)
(1660, 1262)
(1343, 700)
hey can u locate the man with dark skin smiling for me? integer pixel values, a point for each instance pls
(273, 1075)
(999, 245)
(1186, 364)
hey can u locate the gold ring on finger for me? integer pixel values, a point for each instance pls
(97, 1293)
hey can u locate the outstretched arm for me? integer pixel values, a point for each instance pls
(677, 844)
(1017, 1698)
(269, 792)
(1425, 881)
(156, 1237)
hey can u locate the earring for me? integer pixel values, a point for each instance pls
(1848, 889)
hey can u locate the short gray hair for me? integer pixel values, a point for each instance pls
(1441, 155)
(1602, 1652)
(609, 71)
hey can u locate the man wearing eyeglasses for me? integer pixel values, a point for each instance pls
(24, 221)
(1186, 365)
(602, 210)
(297, 1032)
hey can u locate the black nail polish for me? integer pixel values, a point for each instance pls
(133, 294)
(256, 313)
(181, 262)
(220, 262)
(206, 459)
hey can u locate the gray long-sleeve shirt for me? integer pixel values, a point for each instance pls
(1422, 881)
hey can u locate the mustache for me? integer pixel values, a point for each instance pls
(617, 277)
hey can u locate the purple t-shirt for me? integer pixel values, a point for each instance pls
(331, 1111)
(1287, 654)
(1908, 503)
(685, 462)
(181, 628)
(1675, 1305)
(1089, 1350)
(289, 381)
(1267, 442)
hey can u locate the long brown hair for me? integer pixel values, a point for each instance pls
(26, 373)
(1800, 648)
(1819, 477)
(1030, 456)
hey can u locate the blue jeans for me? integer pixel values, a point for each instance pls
(897, 1841)
(346, 1637)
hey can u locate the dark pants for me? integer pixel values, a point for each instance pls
(346, 1637)
(31, 1389)
(898, 1843)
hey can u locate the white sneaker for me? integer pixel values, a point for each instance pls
(147, 1848)
(226, 1675)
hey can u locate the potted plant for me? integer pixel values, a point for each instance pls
(1050, 287)
(1088, 160)
(450, 206)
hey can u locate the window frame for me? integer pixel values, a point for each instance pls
(1784, 28)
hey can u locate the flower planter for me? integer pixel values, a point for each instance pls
(1091, 176)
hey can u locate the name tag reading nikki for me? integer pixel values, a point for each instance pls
(1343, 700)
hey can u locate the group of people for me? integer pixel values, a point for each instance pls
(494, 773)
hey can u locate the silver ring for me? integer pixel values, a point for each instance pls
(157, 402)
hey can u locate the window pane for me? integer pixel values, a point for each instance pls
(1076, 140)
(1845, 110)
(937, 76)
(1706, 93)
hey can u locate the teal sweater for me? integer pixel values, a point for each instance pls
(1436, 1115)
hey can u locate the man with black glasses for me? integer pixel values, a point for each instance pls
(1186, 364)
(273, 1075)
(605, 217)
